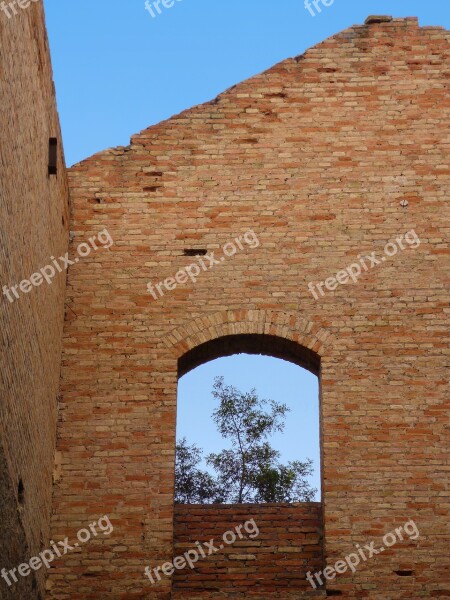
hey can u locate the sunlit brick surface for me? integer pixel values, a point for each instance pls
(326, 156)
(273, 556)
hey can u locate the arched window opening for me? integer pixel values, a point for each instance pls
(222, 456)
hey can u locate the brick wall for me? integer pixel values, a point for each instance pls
(271, 558)
(326, 157)
(34, 226)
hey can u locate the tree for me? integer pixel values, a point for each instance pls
(250, 470)
(192, 485)
(285, 483)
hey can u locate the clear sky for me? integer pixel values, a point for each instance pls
(119, 70)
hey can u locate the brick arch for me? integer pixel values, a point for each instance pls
(277, 333)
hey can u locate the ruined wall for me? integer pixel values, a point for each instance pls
(326, 157)
(34, 226)
(287, 539)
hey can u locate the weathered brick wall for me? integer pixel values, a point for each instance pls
(326, 157)
(271, 557)
(34, 226)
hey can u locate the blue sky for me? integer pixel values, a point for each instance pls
(118, 70)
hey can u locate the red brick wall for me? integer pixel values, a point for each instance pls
(317, 156)
(273, 561)
(34, 223)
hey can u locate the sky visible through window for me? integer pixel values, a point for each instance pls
(273, 379)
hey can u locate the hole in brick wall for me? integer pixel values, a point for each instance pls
(195, 252)
(404, 573)
(374, 19)
(334, 593)
(63, 220)
(152, 188)
(52, 156)
(21, 492)
(155, 174)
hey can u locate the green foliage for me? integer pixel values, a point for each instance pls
(193, 486)
(250, 470)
